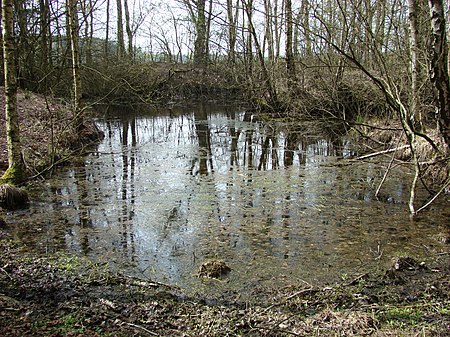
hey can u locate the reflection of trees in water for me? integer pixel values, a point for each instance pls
(202, 131)
(83, 208)
(126, 212)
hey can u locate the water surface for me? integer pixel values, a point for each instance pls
(168, 190)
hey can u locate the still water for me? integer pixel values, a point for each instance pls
(167, 190)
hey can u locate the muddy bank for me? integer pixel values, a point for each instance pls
(63, 295)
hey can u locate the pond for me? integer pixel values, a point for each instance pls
(170, 189)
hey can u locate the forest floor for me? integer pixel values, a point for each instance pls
(49, 136)
(66, 295)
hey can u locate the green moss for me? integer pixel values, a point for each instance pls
(398, 316)
(13, 175)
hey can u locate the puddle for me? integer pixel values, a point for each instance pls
(165, 192)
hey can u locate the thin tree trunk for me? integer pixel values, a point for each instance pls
(75, 53)
(415, 112)
(107, 31)
(208, 29)
(290, 62)
(44, 26)
(305, 10)
(120, 38)
(16, 169)
(271, 92)
(269, 30)
(232, 19)
(248, 9)
(128, 29)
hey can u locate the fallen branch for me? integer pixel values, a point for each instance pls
(370, 155)
(444, 186)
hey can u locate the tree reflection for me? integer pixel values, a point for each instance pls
(204, 160)
(128, 188)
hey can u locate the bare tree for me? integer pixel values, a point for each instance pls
(16, 167)
(128, 29)
(72, 12)
(232, 17)
(120, 37)
(290, 62)
(413, 46)
(106, 48)
(45, 35)
(271, 93)
(439, 68)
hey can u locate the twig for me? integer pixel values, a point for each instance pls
(142, 328)
(355, 280)
(370, 155)
(7, 274)
(447, 183)
(387, 172)
(152, 283)
(290, 297)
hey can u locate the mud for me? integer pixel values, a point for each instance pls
(63, 295)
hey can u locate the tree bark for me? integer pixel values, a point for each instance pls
(415, 114)
(120, 38)
(232, 20)
(75, 53)
(200, 56)
(16, 167)
(269, 31)
(128, 29)
(439, 68)
(290, 62)
(44, 26)
(106, 48)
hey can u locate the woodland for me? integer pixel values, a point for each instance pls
(377, 70)
(356, 64)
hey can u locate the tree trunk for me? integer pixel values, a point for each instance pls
(75, 55)
(200, 56)
(44, 26)
(120, 38)
(106, 49)
(269, 30)
(290, 62)
(128, 29)
(439, 68)
(208, 29)
(24, 55)
(305, 10)
(415, 114)
(232, 20)
(272, 98)
(16, 167)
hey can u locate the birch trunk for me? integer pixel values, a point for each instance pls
(439, 68)
(75, 53)
(16, 167)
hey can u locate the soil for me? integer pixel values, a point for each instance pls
(66, 295)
